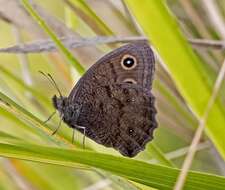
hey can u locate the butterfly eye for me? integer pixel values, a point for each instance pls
(128, 62)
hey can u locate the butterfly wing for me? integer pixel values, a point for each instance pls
(117, 112)
(121, 116)
(111, 70)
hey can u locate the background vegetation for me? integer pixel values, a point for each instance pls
(188, 38)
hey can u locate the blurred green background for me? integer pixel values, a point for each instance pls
(177, 115)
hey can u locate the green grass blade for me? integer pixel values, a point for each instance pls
(5, 137)
(11, 105)
(99, 25)
(148, 174)
(47, 176)
(59, 44)
(164, 33)
(154, 150)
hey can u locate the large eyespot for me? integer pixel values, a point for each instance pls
(128, 62)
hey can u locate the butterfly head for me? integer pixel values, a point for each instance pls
(59, 103)
(68, 112)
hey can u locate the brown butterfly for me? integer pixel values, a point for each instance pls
(112, 103)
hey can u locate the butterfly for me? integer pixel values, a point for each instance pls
(112, 103)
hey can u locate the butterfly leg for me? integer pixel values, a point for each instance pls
(49, 117)
(73, 136)
(84, 134)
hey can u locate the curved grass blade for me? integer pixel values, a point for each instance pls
(148, 174)
(14, 107)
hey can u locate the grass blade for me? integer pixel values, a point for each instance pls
(148, 174)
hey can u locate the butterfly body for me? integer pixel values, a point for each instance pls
(113, 102)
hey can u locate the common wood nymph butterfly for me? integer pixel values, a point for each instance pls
(112, 103)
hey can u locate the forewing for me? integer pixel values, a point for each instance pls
(109, 70)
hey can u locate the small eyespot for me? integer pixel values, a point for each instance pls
(128, 62)
(130, 81)
(131, 100)
(131, 131)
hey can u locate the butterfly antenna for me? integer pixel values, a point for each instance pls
(52, 81)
